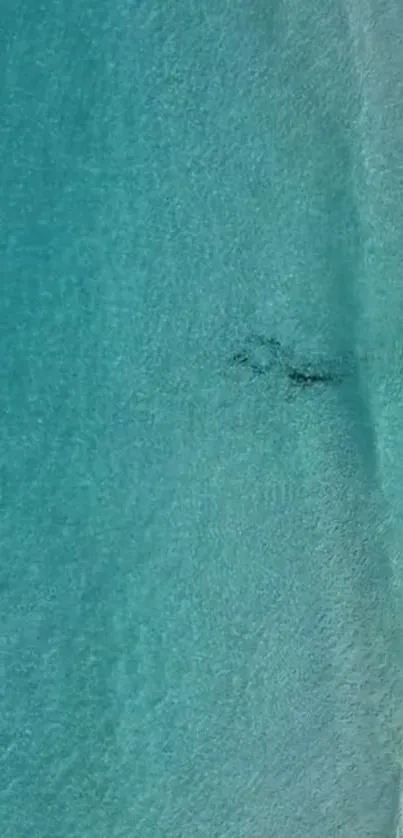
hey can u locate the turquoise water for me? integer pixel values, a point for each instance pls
(201, 565)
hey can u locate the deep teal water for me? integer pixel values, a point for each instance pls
(200, 566)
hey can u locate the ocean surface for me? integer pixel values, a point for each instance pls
(201, 437)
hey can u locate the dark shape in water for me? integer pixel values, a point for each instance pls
(260, 355)
(306, 379)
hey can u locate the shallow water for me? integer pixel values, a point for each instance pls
(201, 567)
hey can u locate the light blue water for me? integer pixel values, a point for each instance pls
(200, 567)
